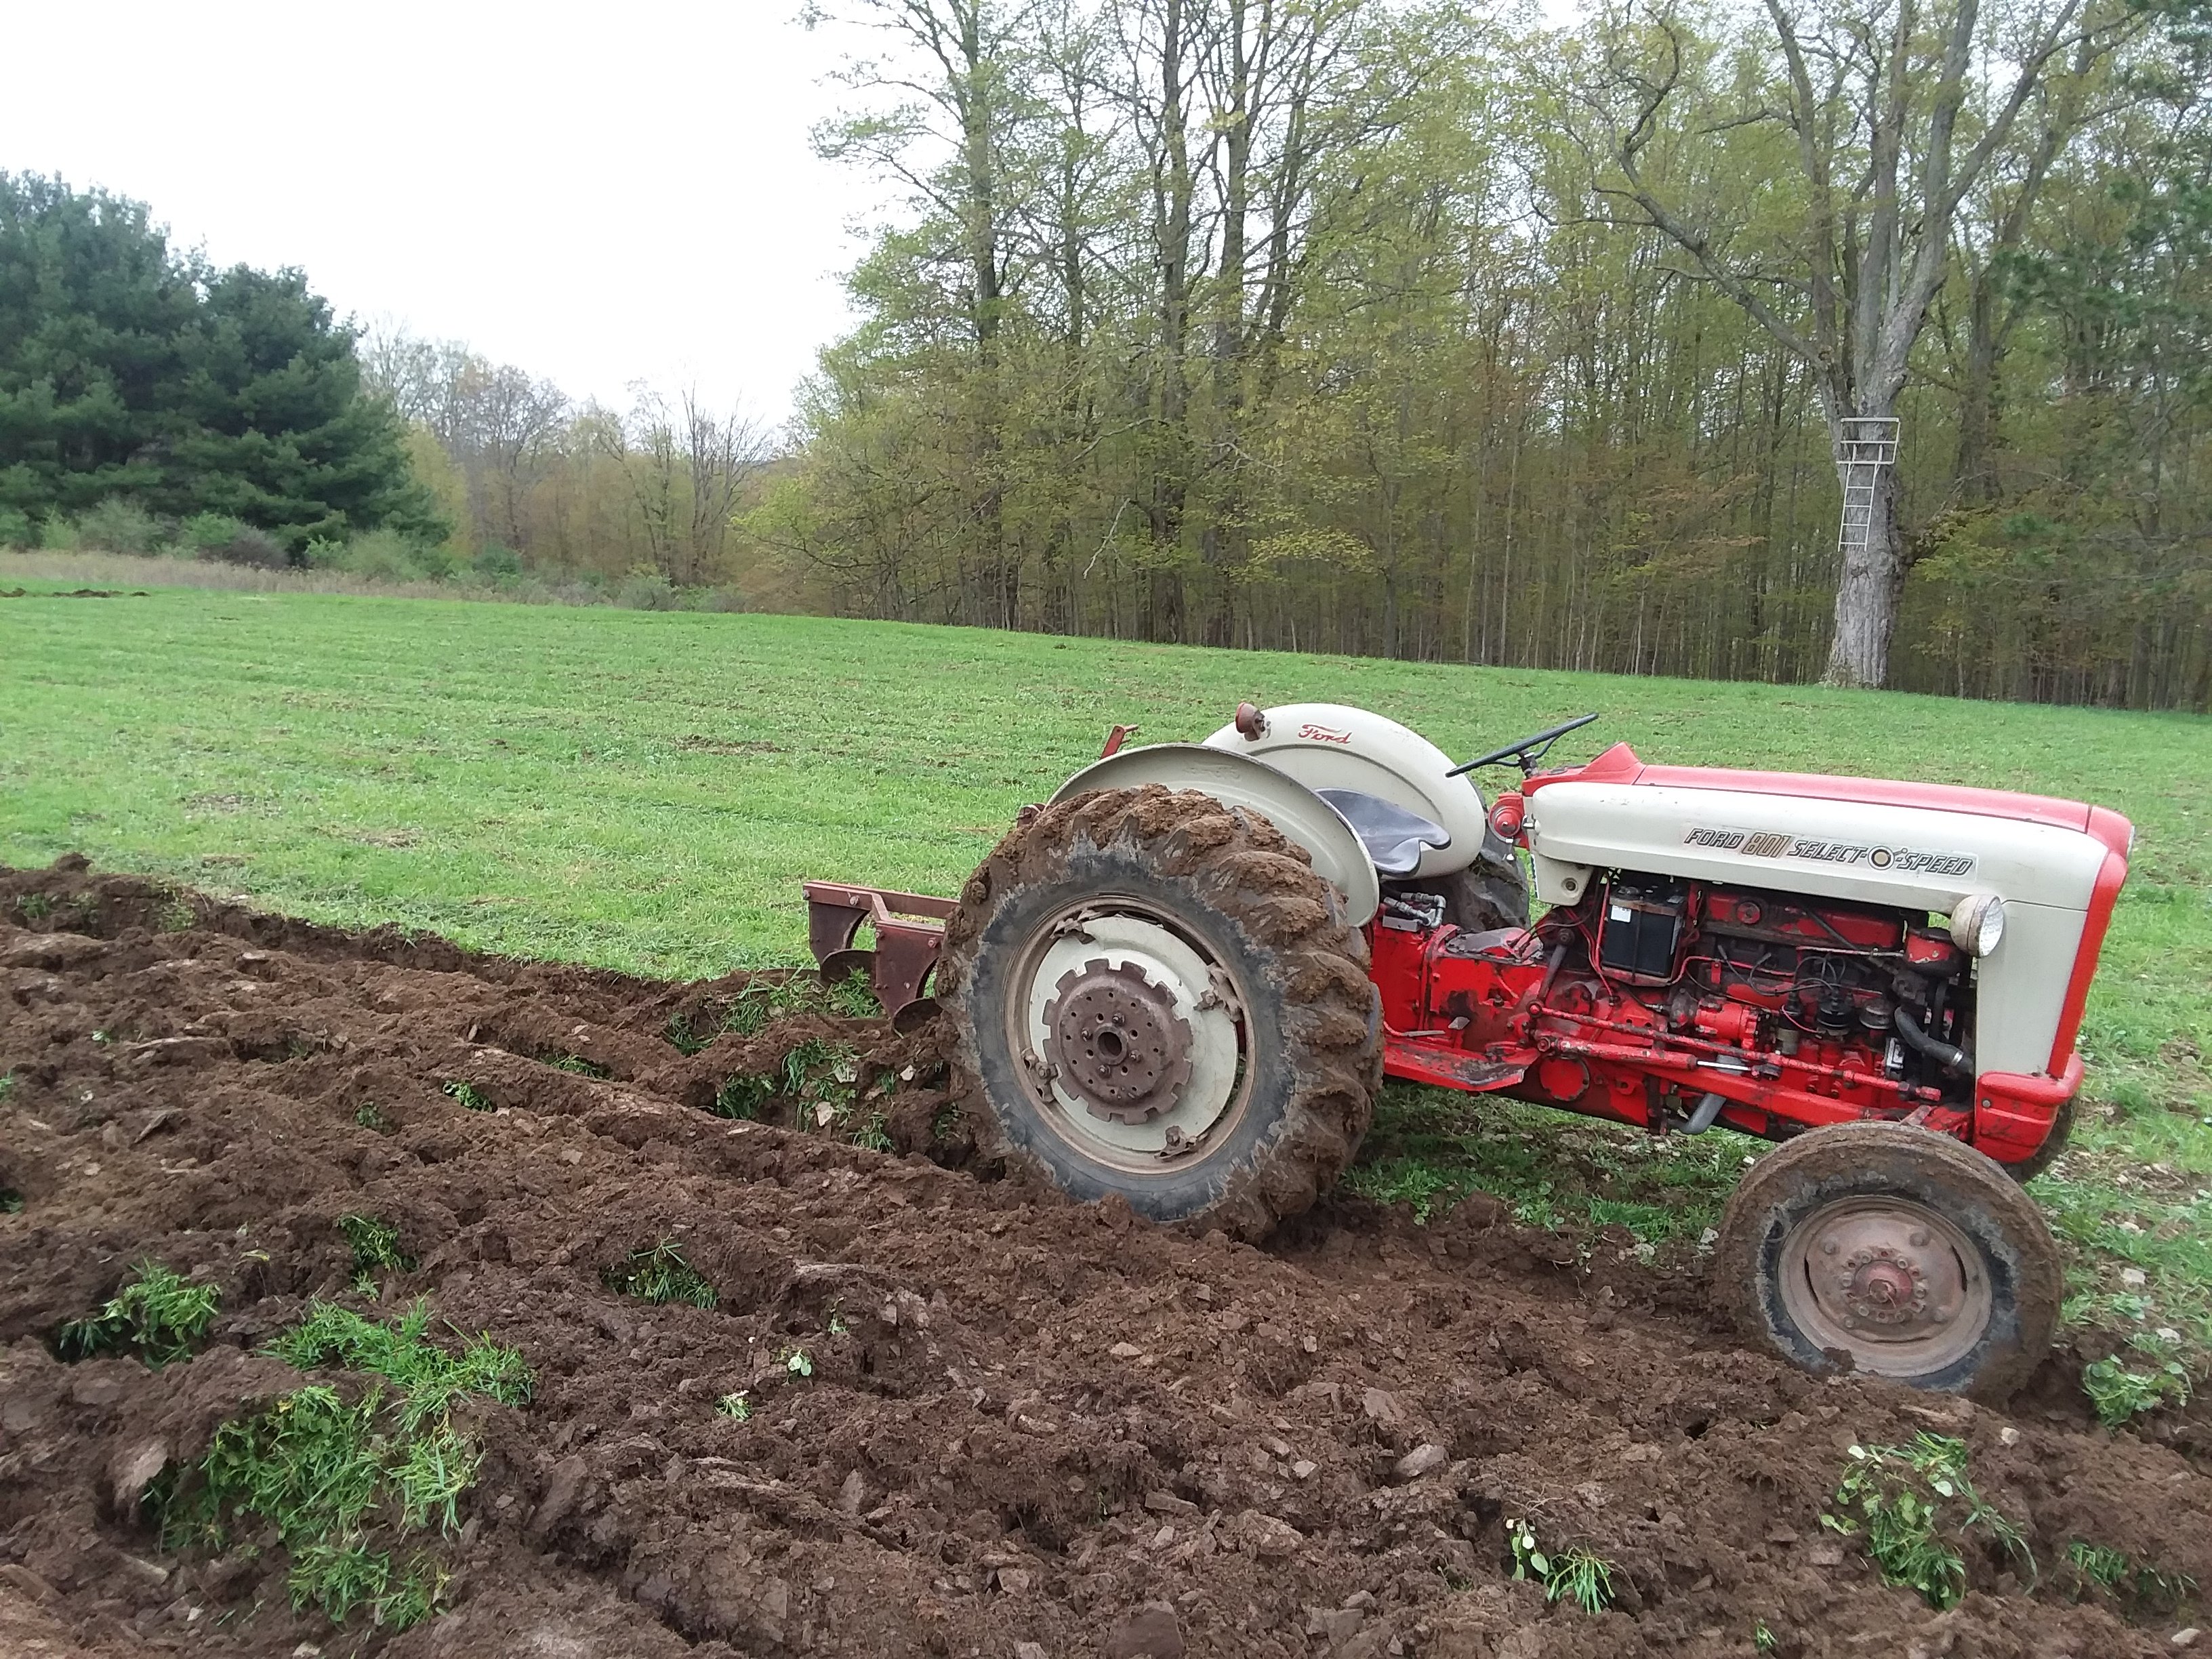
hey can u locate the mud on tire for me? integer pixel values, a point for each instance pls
(1244, 898)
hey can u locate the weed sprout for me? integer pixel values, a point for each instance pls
(156, 1314)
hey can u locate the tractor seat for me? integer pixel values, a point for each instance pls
(1393, 836)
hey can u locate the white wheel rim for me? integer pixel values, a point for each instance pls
(1171, 963)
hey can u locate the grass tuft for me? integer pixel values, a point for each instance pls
(576, 1065)
(341, 1480)
(2098, 1568)
(660, 1274)
(156, 1315)
(375, 1245)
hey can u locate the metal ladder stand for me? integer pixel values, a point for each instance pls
(1867, 444)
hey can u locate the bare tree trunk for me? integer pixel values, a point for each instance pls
(1868, 587)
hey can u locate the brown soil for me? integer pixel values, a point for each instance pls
(1029, 1422)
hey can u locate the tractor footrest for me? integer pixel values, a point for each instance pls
(910, 932)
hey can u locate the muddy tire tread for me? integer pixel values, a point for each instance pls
(1265, 884)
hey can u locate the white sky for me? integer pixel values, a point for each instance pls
(598, 194)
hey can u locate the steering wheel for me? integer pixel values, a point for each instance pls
(1525, 750)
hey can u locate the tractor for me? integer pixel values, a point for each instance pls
(1182, 979)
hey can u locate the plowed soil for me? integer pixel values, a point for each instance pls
(1029, 1422)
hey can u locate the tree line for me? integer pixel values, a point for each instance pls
(1373, 326)
(1396, 328)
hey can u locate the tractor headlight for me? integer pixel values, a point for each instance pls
(1978, 923)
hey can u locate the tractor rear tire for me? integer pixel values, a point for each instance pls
(1894, 1251)
(1192, 945)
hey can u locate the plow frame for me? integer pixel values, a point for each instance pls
(909, 930)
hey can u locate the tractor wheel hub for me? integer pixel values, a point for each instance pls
(1886, 1277)
(1115, 1041)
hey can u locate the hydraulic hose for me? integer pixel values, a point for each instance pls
(1950, 1059)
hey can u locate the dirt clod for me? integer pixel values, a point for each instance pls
(929, 1412)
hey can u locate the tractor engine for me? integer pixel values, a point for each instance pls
(1671, 1003)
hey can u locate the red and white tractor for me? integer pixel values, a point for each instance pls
(1182, 979)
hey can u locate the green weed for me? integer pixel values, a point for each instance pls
(2121, 1393)
(375, 1245)
(660, 1274)
(468, 1095)
(6, 1085)
(819, 1080)
(1913, 1505)
(2096, 1563)
(2099, 1567)
(1575, 1574)
(340, 1479)
(853, 997)
(797, 1361)
(762, 1000)
(743, 1096)
(736, 1405)
(575, 1064)
(11, 1201)
(368, 1117)
(154, 1315)
(402, 1353)
(1764, 1640)
(680, 1035)
(37, 907)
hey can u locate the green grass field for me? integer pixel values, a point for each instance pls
(646, 791)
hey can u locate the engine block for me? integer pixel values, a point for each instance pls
(1671, 1004)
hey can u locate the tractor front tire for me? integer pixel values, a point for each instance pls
(1154, 995)
(1895, 1251)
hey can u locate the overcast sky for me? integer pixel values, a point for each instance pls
(600, 195)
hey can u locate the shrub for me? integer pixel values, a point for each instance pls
(16, 529)
(257, 548)
(379, 556)
(57, 534)
(497, 563)
(119, 525)
(647, 590)
(198, 536)
(385, 555)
